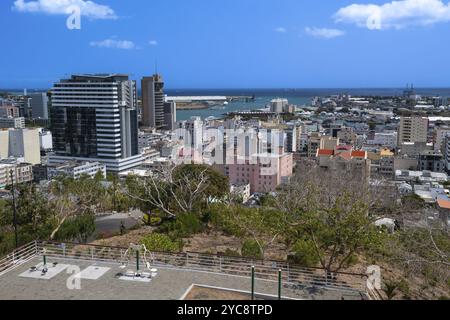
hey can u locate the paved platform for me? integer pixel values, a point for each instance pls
(169, 284)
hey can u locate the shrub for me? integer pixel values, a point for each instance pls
(161, 242)
(188, 224)
(184, 226)
(351, 261)
(231, 253)
(403, 286)
(152, 220)
(250, 249)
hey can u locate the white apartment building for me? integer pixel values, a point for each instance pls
(21, 143)
(278, 105)
(76, 169)
(441, 134)
(413, 129)
(385, 139)
(14, 123)
(21, 173)
(46, 140)
(447, 153)
(191, 132)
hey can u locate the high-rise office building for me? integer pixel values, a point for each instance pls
(155, 112)
(39, 106)
(94, 117)
(170, 115)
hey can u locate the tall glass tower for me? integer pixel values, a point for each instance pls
(153, 102)
(94, 118)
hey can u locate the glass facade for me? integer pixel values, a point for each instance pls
(74, 131)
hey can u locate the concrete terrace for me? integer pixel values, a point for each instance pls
(170, 282)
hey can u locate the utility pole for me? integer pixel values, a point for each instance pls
(14, 208)
(114, 195)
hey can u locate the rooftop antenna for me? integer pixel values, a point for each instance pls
(156, 66)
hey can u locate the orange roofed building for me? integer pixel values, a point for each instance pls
(443, 205)
(345, 159)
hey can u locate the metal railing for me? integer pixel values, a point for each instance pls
(18, 256)
(292, 276)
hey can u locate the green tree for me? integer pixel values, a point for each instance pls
(178, 189)
(331, 212)
(216, 183)
(261, 225)
(35, 214)
(339, 232)
(304, 253)
(79, 228)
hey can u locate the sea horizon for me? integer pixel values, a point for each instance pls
(296, 96)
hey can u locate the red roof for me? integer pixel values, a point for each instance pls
(358, 154)
(325, 152)
(444, 204)
(345, 155)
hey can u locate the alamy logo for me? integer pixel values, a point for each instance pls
(74, 19)
(374, 20)
(74, 281)
(374, 278)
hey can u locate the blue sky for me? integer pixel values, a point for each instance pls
(230, 43)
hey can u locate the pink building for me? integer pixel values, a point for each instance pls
(264, 174)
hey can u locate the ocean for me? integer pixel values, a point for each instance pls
(295, 96)
(264, 96)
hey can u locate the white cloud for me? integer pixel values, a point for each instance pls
(114, 44)
(153, 42)
(88, 9)
(324, 32)
(395, 14)
(281, 30)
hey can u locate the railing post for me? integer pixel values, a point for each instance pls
(279, 284)
(253, 283)
(288, 274)
(92, 253)
(137, 260)
(220, 264)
